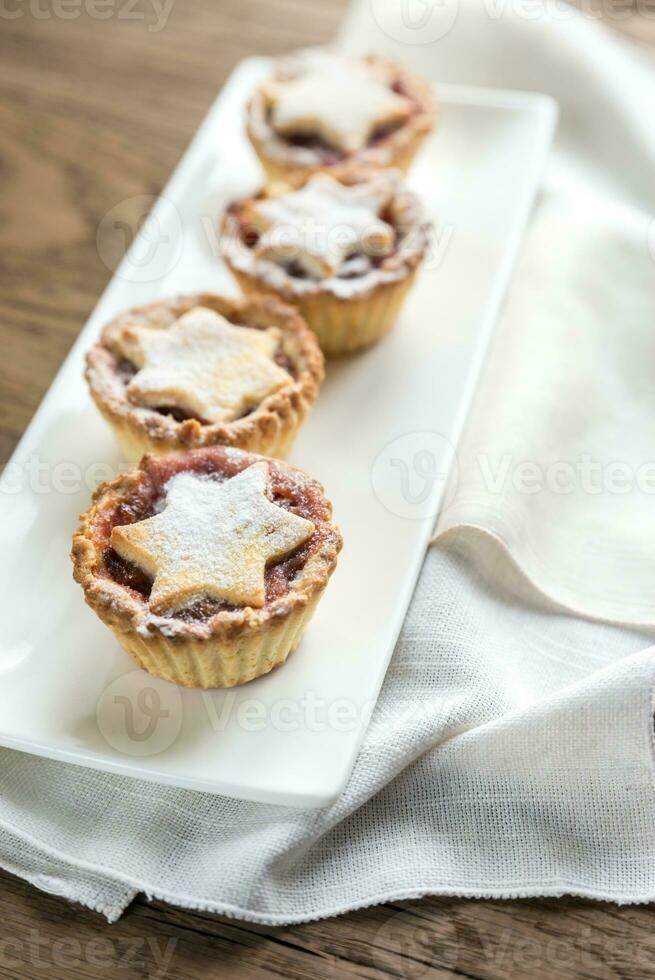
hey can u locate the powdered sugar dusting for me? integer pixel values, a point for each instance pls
(340, 100)
(332, 232)
(202, 364)
(212, 540)
(323, 223)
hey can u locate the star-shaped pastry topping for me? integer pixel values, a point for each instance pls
(323, 223)
(203, 365)
(343, 102)
(212, 540)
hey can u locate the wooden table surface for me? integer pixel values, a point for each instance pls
(93, 112)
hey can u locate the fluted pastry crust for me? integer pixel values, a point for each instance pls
(269, 429)
(282, 160)
(345, 314)
(231, 646)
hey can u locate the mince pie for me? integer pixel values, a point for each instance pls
(203, 370)
(321, 111)
(343, 250)
(207, 564)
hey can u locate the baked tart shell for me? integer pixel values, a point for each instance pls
(270, 429)
(221, 663)
(345, 321)
(231, 647)
(343, 325)
(396, 150)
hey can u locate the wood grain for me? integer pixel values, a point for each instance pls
(435, 938)
(92, 113)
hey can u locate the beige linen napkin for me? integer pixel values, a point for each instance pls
(558, 458)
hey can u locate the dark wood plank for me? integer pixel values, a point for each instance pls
(93, 113)
(41, 935)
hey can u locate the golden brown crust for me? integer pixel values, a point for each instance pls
(270, 429)
(284, 161)
(230, 647)
(342, 323)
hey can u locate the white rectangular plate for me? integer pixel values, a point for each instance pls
(378, 439)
